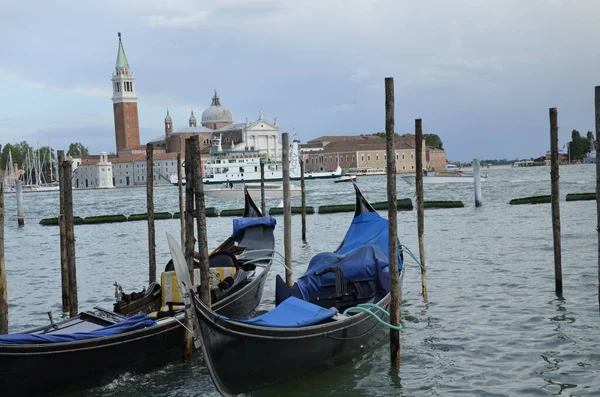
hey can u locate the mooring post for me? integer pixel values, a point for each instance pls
(20, 207)
(597, 103)
(70, 236)
(477, 179)
(303, 193)
(3, 286)
(190, 239)
(393, 222)
(263, 205)
(64, 270)
(420, 203)
(150, 211)
(181, 208)
(201, 224)
(287, 208)
(554, 176)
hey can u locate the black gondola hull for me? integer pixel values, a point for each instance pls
(56, 368)
(243, 358)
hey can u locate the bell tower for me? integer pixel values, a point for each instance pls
(127, 133)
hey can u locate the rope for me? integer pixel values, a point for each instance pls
(363, 307)
(404, 248)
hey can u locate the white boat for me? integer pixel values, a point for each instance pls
(272, 190)
(345, 178)
(244, 166)
(451, 174)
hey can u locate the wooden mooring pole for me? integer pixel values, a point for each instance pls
(181, 207)
(477, 182)
(20, 206)
(303, 193)
(190, 240)
(201, 224)
(64, 270)
(263, 205)
(70, 236)
(393, 222)
(3, 286)
(150, 211)
(554, 177)
(287, 208)
(420, 203)
(597, 106)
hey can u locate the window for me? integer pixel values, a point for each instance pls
(362, 157)
(396, 156)
(412, 156)
(403, 167)
(377, 157)
(353, 158)
(347, 158)
(369, 158)
(402, 156)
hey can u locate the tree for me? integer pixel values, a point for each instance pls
(433, 140)
(579, 146)
(77, 149)
(383, 134)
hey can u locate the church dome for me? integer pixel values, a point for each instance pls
(216, 113)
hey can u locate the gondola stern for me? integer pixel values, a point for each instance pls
(250, 208)
(362, 205)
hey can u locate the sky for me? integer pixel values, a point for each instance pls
(481, 74)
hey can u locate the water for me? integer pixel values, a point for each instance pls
(493, 325)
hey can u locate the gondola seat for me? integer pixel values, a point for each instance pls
(291, 313)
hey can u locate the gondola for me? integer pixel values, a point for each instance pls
(99, 345)
(311, 328)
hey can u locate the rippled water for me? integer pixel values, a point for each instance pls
(493, 325)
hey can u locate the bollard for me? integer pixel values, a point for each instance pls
(181, 208)
(263, 205)
(420, 203)
(3, 286)
(477, 179)
(20, 208)
(287, 208)
(554, 177)
(303, 192)
(393, 222)
(64, 270)
(150, 211)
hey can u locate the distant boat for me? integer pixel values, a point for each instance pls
(272, 190)
(451, 174)
(345, 178)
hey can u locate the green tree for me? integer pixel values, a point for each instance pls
(383, 134)
(579, 146)
(77, 149)
(433, 140)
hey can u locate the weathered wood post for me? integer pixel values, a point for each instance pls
(181, 207)
(477, 179)
(3, 286)
(263, 205)
(150, 211)
(201, 224)
(303, 193)
(554, 177)
(420, 203)
(287, 207)
(70, 236)
(190, 239)
(20, 207)
(64, 270)
(393, 222)
(597, 103)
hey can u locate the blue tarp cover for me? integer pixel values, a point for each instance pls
(291, 313)
(367, 261)
(131, 324)
(368, 228)
(240, 224)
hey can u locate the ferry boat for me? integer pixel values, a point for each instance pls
(244, 166)
(272, 190)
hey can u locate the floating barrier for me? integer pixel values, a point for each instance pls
(443, 204)
(295, 210)
(209, 212)
(581, 196)
(54, 221)
(531, 200)
(92, 220)
(143, 217)
(402, 205)
(235, 212)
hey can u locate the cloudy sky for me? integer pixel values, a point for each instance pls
(480, 73)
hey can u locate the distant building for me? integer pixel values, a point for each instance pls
(93, 172)
(367, 152)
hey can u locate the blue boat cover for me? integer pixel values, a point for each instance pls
(291, 313)
(368, 228)
(240, 224)
(131, 324)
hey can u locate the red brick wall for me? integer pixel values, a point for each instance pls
(127, 130)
